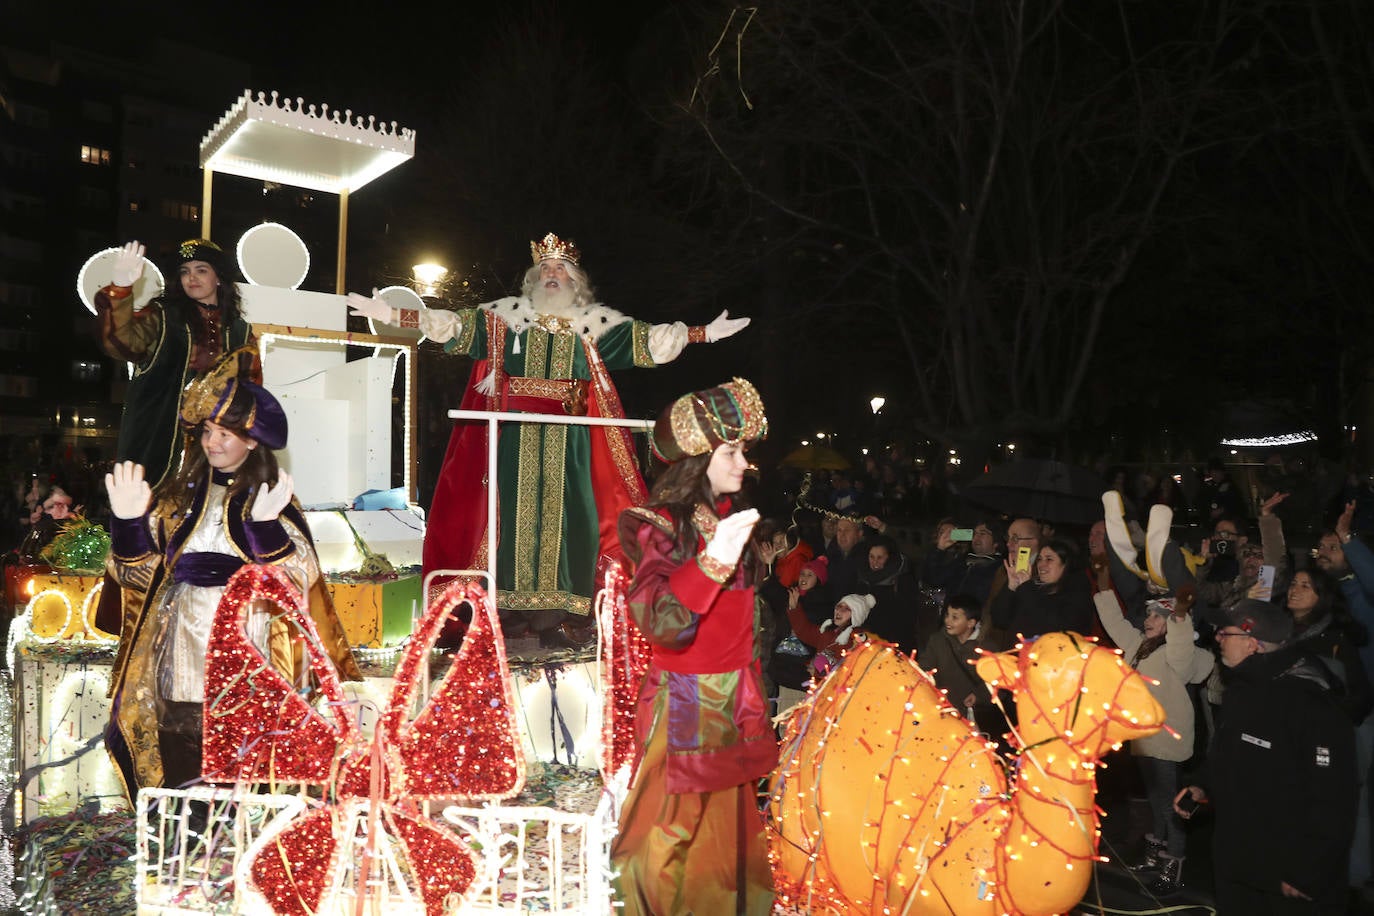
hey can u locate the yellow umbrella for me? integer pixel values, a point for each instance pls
(815, 458)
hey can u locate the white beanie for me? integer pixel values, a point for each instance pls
(860, 606)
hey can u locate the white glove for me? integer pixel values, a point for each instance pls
(129, 492)
(731, 535)
(374, 308)
(128, 265)
(723, 326)
(269, 502)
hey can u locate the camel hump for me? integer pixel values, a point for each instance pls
(880, 755)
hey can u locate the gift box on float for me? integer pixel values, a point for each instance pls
(61, 604)
(371, 563)
(375, 614)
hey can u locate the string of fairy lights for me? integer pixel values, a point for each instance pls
(943, 815)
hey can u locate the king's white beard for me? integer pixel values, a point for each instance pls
(557, 302)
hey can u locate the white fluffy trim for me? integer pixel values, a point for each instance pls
(519, 314)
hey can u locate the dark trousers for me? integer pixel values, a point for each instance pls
(179, 743)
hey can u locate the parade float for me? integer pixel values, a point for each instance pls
(337, 388)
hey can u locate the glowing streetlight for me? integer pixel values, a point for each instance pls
(876, 404)
(427, 278)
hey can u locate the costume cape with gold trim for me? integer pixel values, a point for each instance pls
(561, 488)
(131, 737)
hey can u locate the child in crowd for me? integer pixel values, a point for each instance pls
(950, 655)
(790, 667)
(833, 637)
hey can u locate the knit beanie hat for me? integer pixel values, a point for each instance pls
(1161, 606)
(860, 606)
(821, 567)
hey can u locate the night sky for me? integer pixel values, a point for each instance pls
(398, 55)
(1260, 248)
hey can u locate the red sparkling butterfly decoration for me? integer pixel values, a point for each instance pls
(463, 743)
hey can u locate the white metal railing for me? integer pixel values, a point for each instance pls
(195, 849)
(494, 417)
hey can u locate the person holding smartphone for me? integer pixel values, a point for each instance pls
(1051, 596)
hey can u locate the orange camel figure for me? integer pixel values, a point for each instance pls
(886, 801)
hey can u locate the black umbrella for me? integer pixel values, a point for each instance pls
(1039, 488)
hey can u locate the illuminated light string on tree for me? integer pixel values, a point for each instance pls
(941, 808)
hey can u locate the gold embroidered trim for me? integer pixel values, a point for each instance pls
(618, 438)
(652, 517)
(543, 600)
(639, 344)
(525, 387)
(555, 471)
(531, 466)
(467, 331)
(571, 393)
(714, 569)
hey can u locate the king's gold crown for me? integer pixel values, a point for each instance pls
(551, 247)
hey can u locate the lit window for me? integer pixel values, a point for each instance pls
(94, 155)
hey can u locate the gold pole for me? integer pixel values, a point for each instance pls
(206, 187)
(343, 241)
(413, 373)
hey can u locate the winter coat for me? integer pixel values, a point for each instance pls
(1281, 774)
(1335, 640)
(1169, 669)
(1034, 609)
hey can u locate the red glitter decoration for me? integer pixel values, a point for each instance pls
(463, 743)
(257, 727)
(294, 868)
(624, 657)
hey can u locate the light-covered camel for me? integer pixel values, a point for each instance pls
(886, 801)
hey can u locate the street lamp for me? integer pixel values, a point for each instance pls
(876, 404)
(427, 278)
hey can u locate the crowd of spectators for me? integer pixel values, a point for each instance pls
(931, 571)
